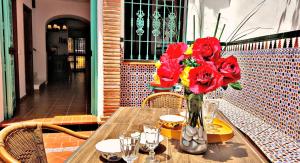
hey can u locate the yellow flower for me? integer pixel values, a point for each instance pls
(184, 76)
(156, 78)
(189, 50)
(157, 64)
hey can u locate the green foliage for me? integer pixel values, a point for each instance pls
(190, 63)
(236, 86)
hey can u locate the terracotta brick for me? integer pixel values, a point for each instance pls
(111, 49)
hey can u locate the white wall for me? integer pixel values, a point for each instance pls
(21, 54)
(100, 73)
(194, 8)
(267, 17)
(45, 10)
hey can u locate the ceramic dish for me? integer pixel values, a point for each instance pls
(171, 121)
(183, 113)
(110, 149)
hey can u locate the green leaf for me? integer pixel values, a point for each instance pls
(190, 63)
(236, 86)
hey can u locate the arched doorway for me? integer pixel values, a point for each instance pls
(68, 61)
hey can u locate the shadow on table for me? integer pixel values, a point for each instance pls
(225, 152)
(220, 152)
(159, 154)
(104, 160)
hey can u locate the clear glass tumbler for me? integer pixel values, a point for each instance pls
(210, 112)
(130, 146)
(152, 140)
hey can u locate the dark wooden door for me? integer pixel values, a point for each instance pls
(28, 49)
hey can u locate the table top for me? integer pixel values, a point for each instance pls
(237, 149)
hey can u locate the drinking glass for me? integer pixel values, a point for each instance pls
(130, 145)
(210, 109)
(152, 140)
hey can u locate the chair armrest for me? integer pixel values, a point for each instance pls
(5, 156)
(65, 130)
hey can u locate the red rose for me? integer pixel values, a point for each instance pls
(164, 58)
(174, 51)
(204, 79)
(169, 73)
(207, 49)
(230, 69)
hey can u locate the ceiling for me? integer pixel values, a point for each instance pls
(72, 24)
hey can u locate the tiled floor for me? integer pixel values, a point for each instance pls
(60, 146)
(59, 103)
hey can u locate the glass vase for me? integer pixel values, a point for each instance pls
(193, 135)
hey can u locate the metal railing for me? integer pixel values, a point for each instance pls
(150, 25)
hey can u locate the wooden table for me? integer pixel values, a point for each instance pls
(238, 149)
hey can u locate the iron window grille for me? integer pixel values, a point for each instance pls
(150, 25)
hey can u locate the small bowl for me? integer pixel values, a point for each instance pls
(143, 146)
(171, 121)
(110, 149)
(183, 113)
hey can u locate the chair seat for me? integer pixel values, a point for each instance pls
(163, 100)
(23, 142)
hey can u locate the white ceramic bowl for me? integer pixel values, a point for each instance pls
(171, 121)
(183, 113)
(110, 149)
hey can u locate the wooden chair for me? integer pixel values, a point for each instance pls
(163, 100)
(23, 142)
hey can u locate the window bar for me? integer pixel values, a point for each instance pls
(164, 27)
(186, 6)
(171, 23)
(179, 23)
(167, 42)
(131, 36)
(151, 4)
(148, 26)
(140, 24)
(156, 28)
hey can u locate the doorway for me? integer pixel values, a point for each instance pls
(68, 61)
(28, 49)
(44, 103)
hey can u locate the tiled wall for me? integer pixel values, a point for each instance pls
(134, 80)
(270, 79)
(271, 87)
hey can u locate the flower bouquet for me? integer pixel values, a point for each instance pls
(200, 69)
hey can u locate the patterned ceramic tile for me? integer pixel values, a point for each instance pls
(134, 87)
(271, 89)
(275, 144)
